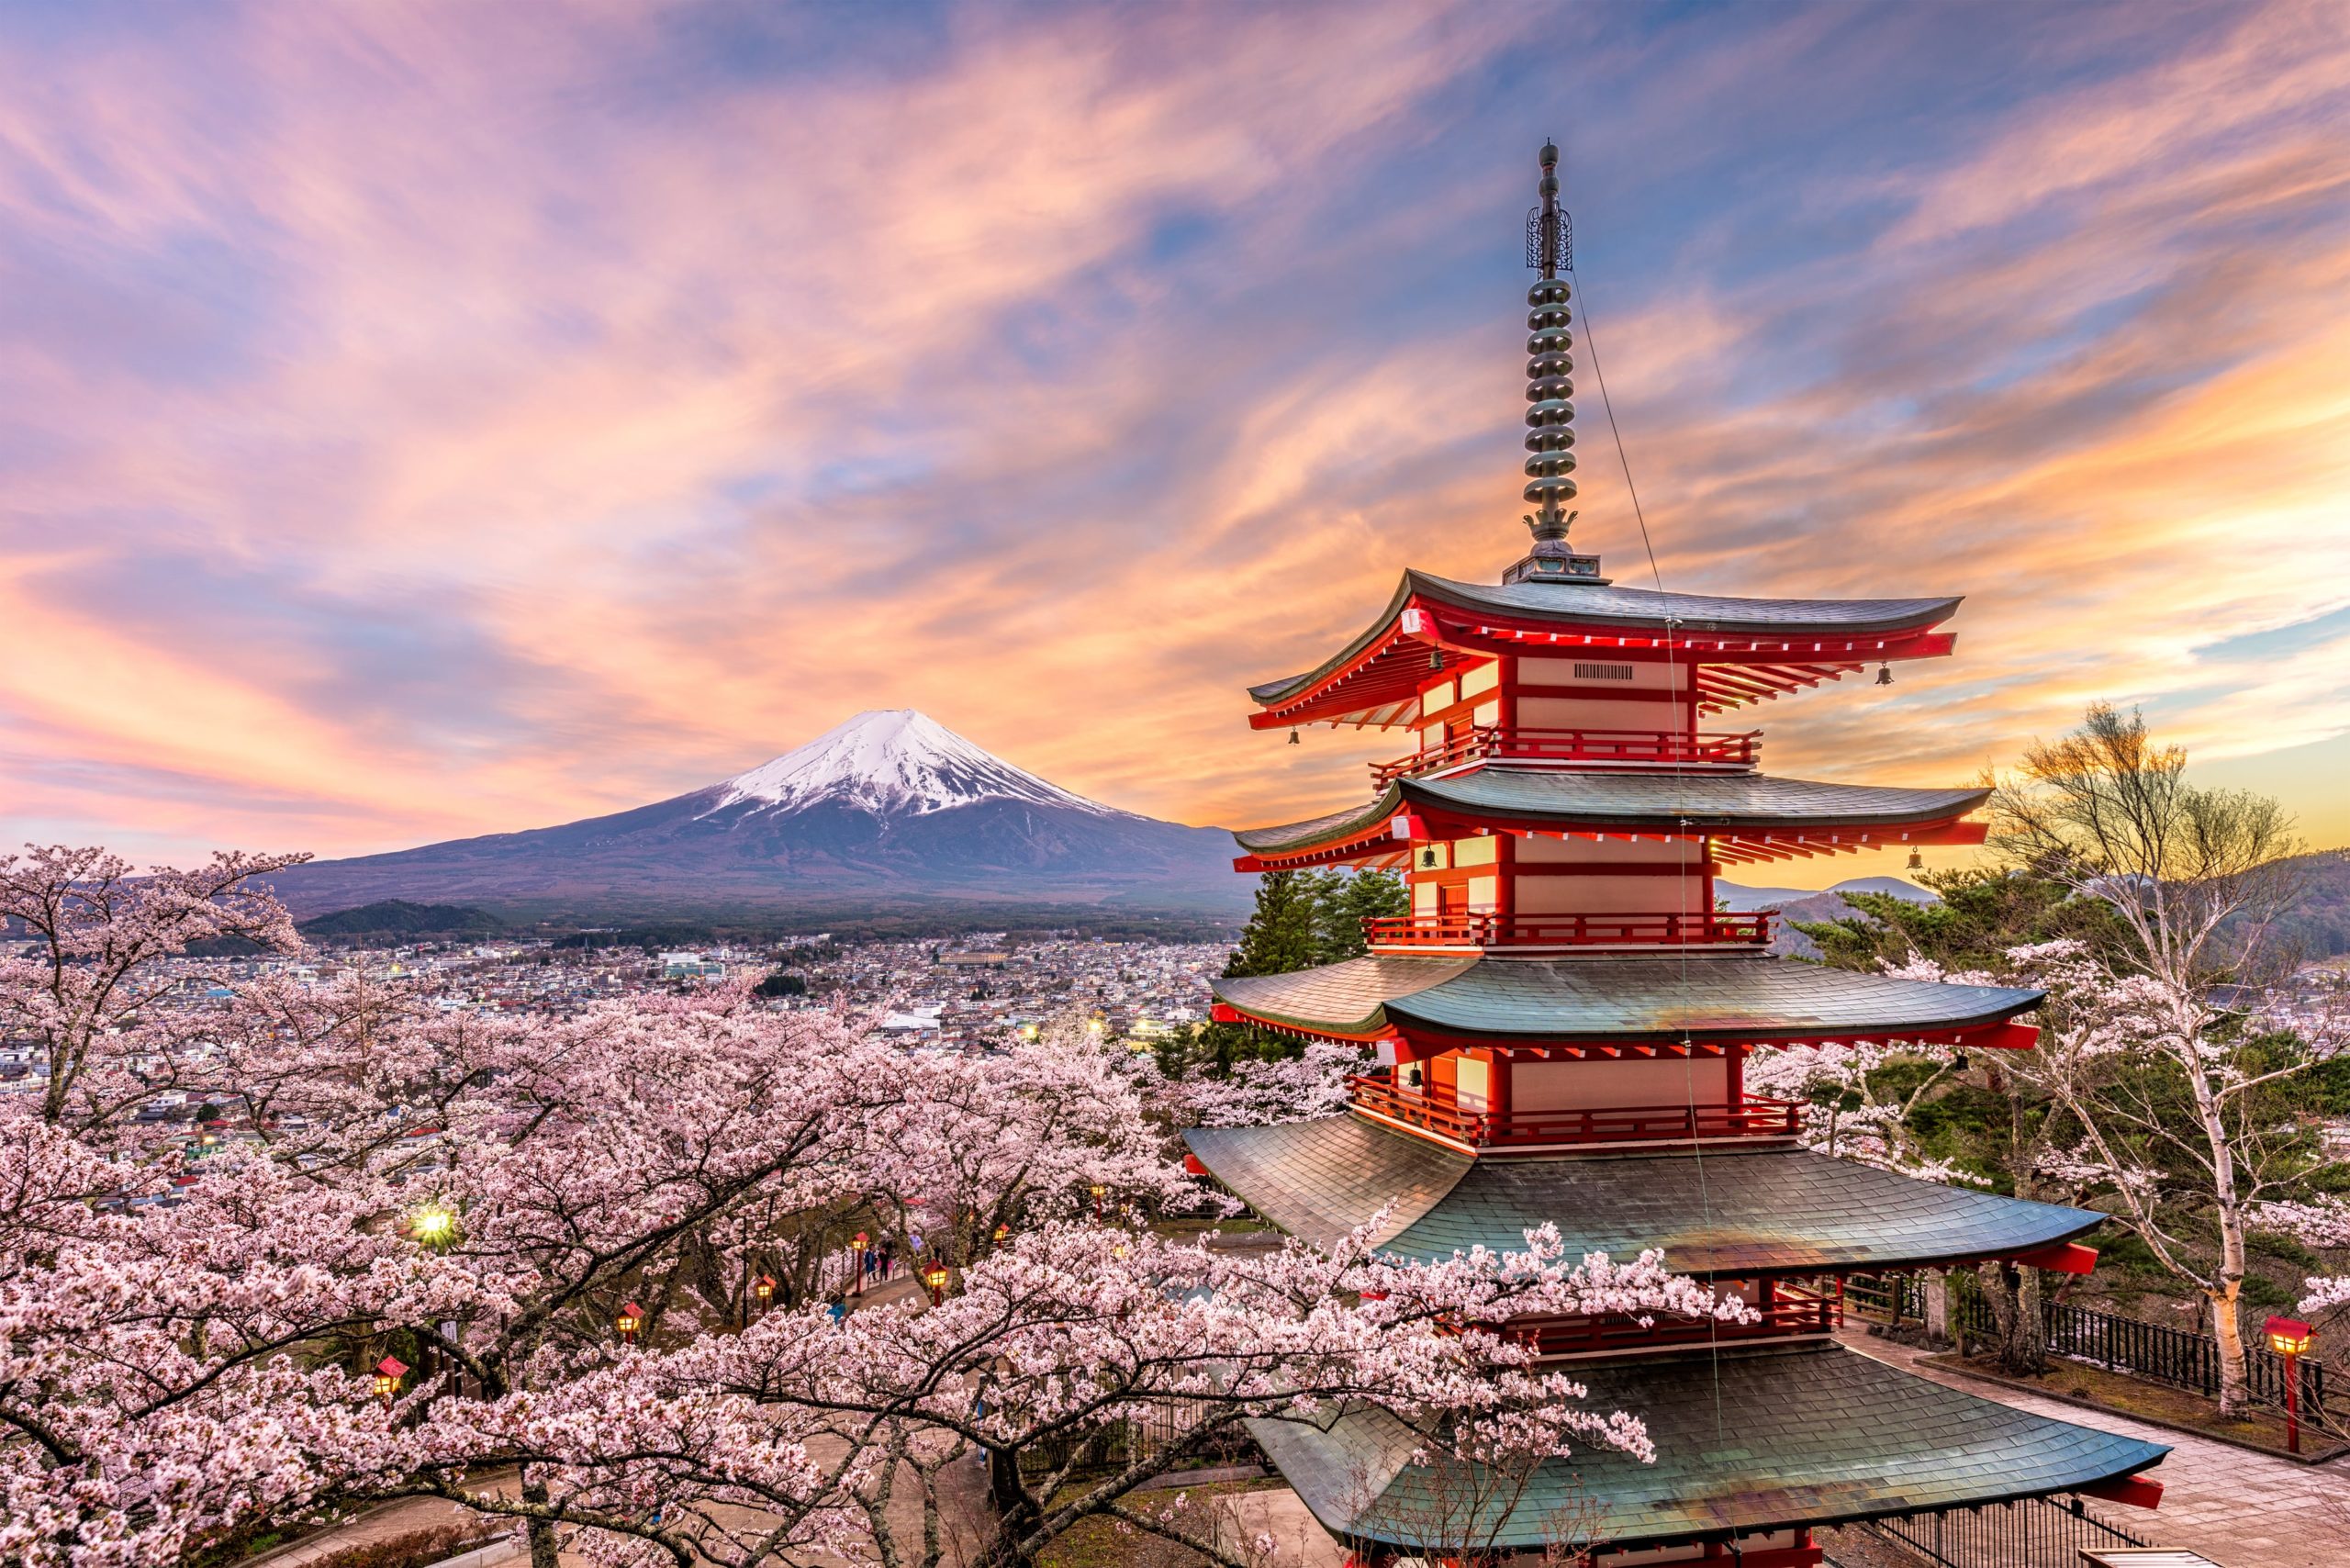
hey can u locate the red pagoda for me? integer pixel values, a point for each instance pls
(1560, 1026)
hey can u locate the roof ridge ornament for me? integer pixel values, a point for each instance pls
(1549, 417)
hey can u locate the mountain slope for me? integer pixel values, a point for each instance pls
(888, 809)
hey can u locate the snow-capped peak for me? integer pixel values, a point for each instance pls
(893, 762)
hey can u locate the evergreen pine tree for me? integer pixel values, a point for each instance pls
(1343, 900)
(1279, 938)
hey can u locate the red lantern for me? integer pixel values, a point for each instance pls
(2290, 1337)
(631, 1319)
(388, 1372)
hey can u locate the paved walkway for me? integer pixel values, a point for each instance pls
(2240, 1509)
(409, 1515)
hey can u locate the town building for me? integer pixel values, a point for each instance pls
(1560, 1026)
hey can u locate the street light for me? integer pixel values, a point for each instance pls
(1097, 1190)
(763, 1290)
(388, 1372)
(1002, 1234)
(2290, 1337)
(433, 1226)
(935, 1277)
(631, 1319)
(857, 1244)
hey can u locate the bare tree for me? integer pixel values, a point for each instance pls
(2160, 1066)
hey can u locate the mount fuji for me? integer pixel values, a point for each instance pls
(890, 809)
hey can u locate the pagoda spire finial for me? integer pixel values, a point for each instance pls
(1549, 417)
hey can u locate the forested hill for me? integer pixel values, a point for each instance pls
(2319, 925)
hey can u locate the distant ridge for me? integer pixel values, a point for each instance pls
(1744, 899)
(397, 917)
(888, 811)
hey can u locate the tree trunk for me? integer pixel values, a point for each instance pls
(2227, 1327)
(2014, 1295)
(545, 1549)
(1012, 1501)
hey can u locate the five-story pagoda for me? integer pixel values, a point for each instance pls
(1560, 1026)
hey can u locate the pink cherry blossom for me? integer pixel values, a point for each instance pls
(187, 1345)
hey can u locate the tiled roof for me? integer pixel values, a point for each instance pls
(1320, 1180)
(1631, 801)
(1585, 604)
(1626, 996)
(1747, 1438)
(1733, 1212)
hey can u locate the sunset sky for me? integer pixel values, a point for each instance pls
(425, 421)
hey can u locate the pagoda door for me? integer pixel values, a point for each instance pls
(1452, 904)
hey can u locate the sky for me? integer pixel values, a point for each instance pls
(425, 421)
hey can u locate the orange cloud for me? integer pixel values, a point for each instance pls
(446, 422)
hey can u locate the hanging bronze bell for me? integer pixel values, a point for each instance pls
(1917, 861)
(1884, 675)
(1293, 734)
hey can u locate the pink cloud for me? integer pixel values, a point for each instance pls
(566, 426)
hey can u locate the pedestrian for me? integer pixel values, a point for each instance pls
(888, 1258)
(836, 1309)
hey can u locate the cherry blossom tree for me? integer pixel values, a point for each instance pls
(97, 931)
(2172, 1099)
(187, 1345)
(1076, 1362)
(1258, 1090)
(2322, 1223)
(2196, 879)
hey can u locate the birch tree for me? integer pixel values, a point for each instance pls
(2161, 1069)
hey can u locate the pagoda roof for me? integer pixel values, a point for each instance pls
(1628, 608)
(1748, 1438)
(1736, 1212)
(1730, 804)
(1615, 997)
(1767, 632)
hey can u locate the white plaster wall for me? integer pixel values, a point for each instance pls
(1606, 1085)
(1580, 851)
(1607, 895)
(1596, 713)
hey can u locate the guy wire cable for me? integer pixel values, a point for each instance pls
(1672, 677)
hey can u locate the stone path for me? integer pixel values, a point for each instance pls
(2240, 1509)
(407, 1517)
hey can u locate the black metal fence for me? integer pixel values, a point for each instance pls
(2156, 1351)
(2036, 1533)
(1160, 1428)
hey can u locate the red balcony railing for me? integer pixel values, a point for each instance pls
(1438, 1111)
(1566, 930)
(1790, 1311)
(1653, 748)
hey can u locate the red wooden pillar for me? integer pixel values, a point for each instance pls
(1497, 1070)
(1705, 877)
(1505, 878)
